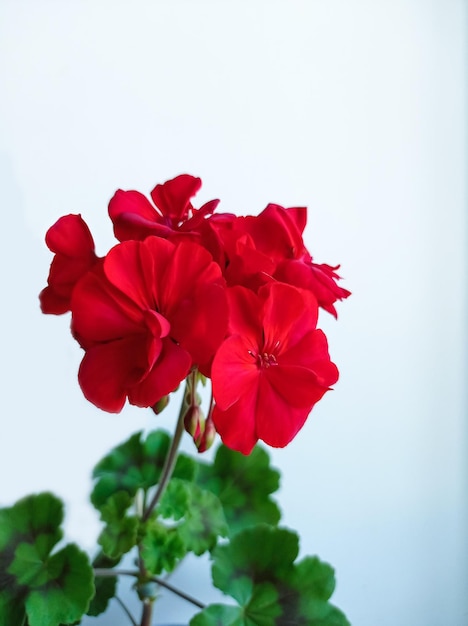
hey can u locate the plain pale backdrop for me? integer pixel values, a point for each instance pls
(356, 109)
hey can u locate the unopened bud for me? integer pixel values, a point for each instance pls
(160, 405)
(194, 422)
(208, 436)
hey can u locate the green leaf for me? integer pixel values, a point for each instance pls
(11, 606)
(64, 598)
(106, 586)
(260, 608)
(259, 553)
(244, 485)
(176, 500)
(53, 588)
(136, 464)
(203, 521)
(120, 534)
(218, 615)
(161, 548)
(258, 569)
(132, 465)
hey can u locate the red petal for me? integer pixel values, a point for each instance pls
(171, 368)
(288, 315)
(244, 309)
(129, 267)
(70, 236)
(236, 425)
(190, 266)
(102, 313)
(199, 216)
(52, 303)
(109, 369)
(296, 386)
(134, 217)
(200, 324)
(234, 372)
(312, 352)
(173, 197)
(277, 420)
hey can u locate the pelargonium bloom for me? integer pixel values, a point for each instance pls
(320, 279)
(272, 368)
(71, 241)
(134, 217)
(269, 247)
(147, 315)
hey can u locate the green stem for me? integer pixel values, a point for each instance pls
(171, 455)
(135, 573)
(178, 592)
(129, 615)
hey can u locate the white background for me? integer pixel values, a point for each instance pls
(356, 109)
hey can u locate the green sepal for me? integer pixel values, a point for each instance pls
(258, 569)
(244, 485)
(136, 464)
(51, 589)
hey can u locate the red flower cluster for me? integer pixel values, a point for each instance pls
(235, 297)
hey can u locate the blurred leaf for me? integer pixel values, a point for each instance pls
(203, 521)
(176, 500)
(257, 568)
(106, 586)
(243, 484)
(136, 464)
(11, 606)
(133, 465)
(120, 533)
(219, 615)
(51, 588)
(65, 597)
(161, 548)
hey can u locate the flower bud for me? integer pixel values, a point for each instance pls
(208, 436)
(160, 405)
(194, 422)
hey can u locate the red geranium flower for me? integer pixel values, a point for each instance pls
(150, 312)
(268, 247)
(272, 369)
(73, 245)
(320, 279)
(134, 217)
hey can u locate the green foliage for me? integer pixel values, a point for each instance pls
(133, 465)
(47, 589)
(196, 520)
(194, 516)
(161, 548)
(120, 533)
(106, 586)
(244, 485)
(258, 569)
(136, 464)
(203, 521)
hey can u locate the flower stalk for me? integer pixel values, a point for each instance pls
(170, 461)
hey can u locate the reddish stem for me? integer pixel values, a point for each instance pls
(147, 613)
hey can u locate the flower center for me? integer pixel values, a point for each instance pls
(264, 359)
